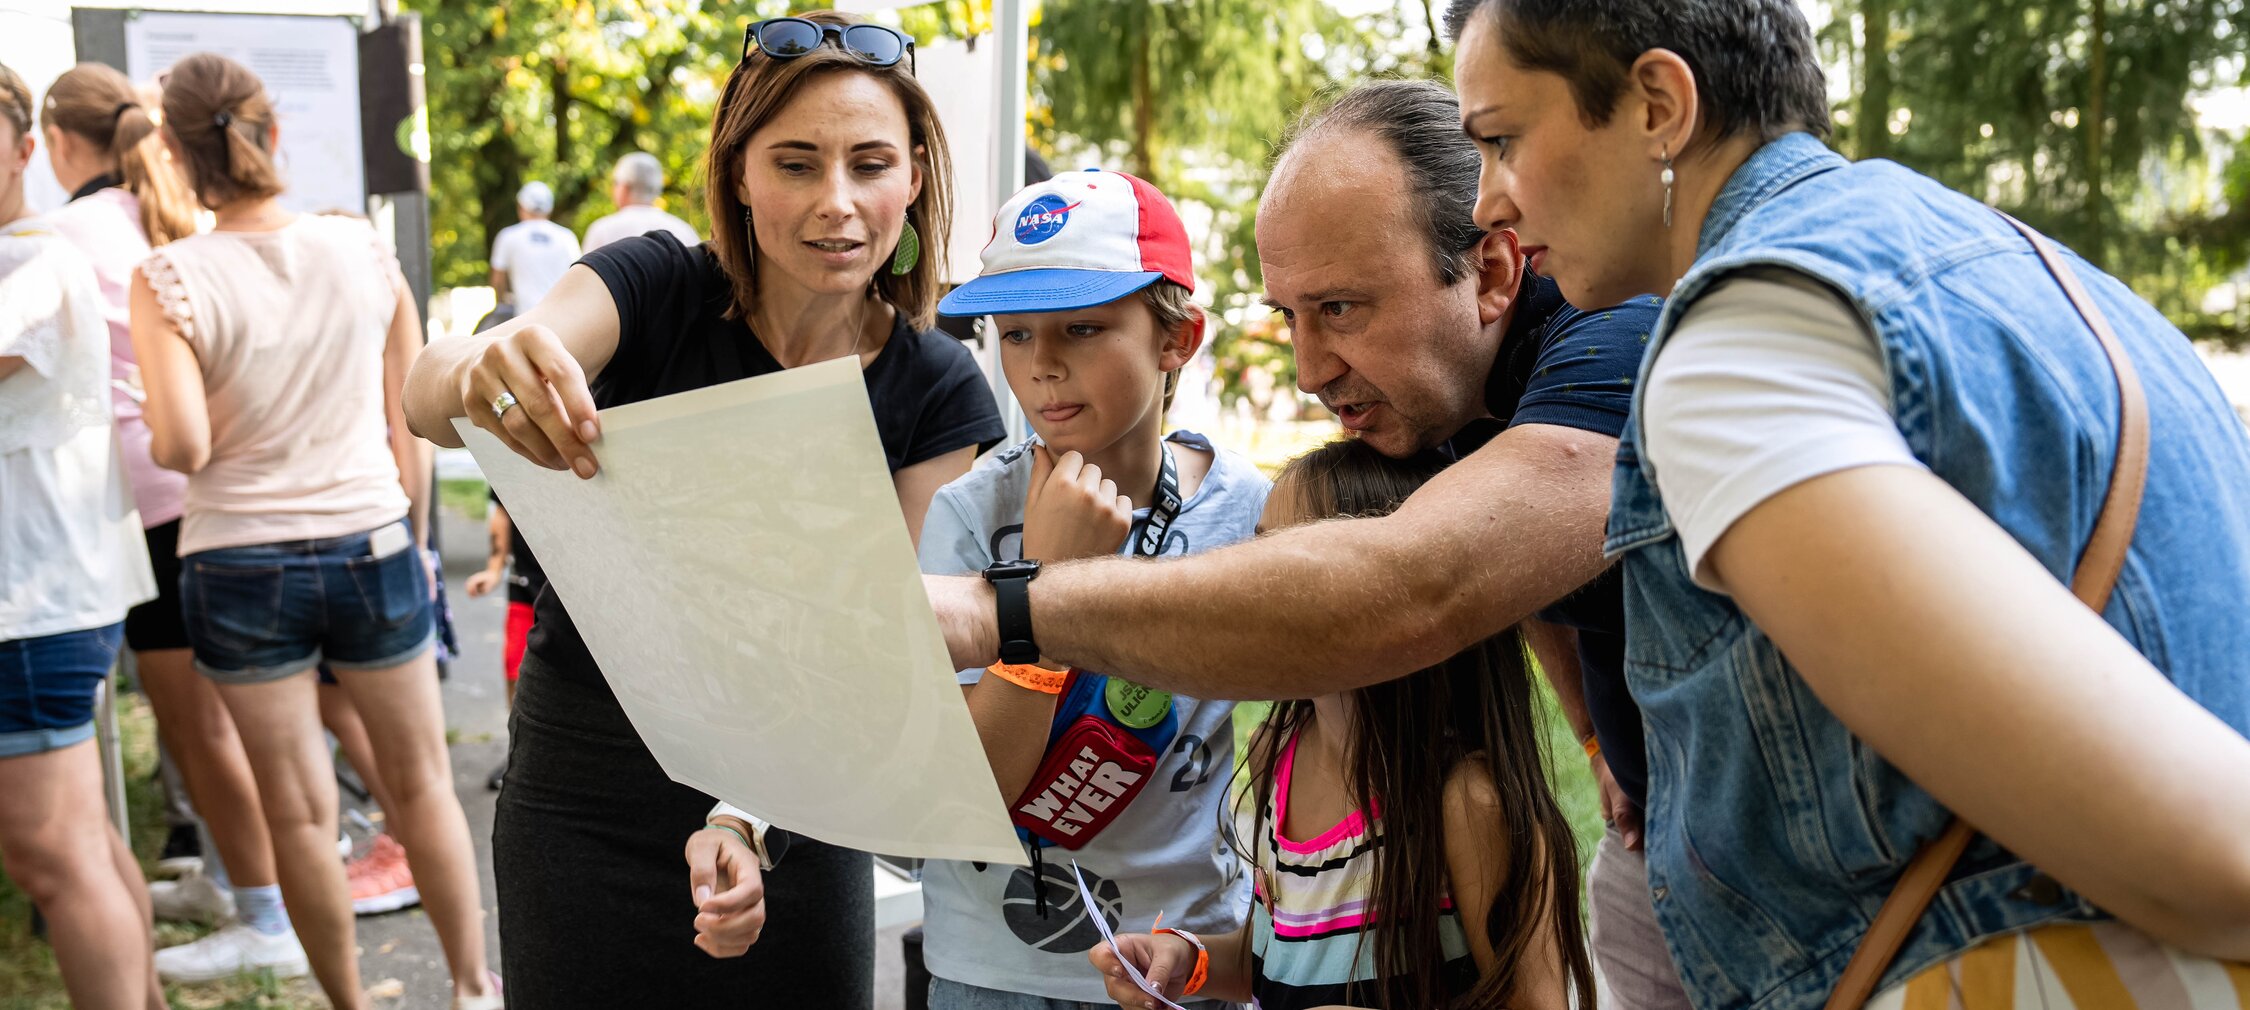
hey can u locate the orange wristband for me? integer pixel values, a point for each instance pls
(1593, 745)
(1202, 972)
(1031, 678)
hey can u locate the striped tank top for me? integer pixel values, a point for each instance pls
(1313, 908)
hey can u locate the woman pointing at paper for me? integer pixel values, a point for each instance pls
(827, 168)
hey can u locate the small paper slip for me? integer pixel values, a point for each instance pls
(1101, 922)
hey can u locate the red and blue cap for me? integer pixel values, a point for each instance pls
(1076, 240)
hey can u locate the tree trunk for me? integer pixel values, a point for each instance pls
(496, 196)
(1874, 122)
(558, 82)
(2095, 121)
(1143, 155)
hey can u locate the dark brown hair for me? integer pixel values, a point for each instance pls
(15, 101)
(1409, 738)
(97, 104)
(219, 113)
(1755, 67)
(756, 92)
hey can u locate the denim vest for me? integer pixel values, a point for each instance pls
(1773, 833)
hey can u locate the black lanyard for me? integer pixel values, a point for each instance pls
(1163, 511)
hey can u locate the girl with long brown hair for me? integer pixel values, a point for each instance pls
(827, 171)
(1408, 851)
(273, 348)
(126, 197)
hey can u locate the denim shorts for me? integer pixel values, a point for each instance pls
(47, 688)
(256, 614)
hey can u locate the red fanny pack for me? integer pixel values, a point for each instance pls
(1088, 776)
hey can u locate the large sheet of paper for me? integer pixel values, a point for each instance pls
(310, 66)
(740, 570)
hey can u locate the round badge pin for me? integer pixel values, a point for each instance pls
(1136, 706)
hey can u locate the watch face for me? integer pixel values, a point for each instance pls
(1012, 570)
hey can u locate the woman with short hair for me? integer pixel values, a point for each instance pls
(1874, 436)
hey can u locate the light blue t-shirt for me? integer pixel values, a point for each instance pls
(981, 922)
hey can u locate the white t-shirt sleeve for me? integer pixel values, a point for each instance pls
(599, 234)
(684, 232)
(1768, 381)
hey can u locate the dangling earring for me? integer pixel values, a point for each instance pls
(745, 215)
(1666, 177)
(909, 251)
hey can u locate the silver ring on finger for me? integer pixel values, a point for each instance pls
(502, 403)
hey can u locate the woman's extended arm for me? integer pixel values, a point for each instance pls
(546, 358)
(412, 454)
(1937, 639)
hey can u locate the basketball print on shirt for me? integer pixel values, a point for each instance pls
(1065, 928)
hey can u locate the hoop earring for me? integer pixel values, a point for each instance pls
(909, 251)
(1666, 178)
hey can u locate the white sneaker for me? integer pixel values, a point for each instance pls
(232, 951)
(194, 898)
(179, 866)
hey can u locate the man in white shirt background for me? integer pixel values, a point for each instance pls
(528, 257)
(635, 185)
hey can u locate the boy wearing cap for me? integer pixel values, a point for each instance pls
(1087, 279)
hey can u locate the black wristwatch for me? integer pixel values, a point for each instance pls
(1011, 589)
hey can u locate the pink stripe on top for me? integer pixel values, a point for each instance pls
(1350, 827)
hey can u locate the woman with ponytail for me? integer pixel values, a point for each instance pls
(126, 196)
(273, 349)
(100, 132)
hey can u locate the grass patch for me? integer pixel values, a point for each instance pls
(464, 496)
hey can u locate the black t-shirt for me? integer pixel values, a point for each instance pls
(1560, 365)
(525, 578)
(929, 396)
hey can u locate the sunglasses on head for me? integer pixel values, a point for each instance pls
(788, 38)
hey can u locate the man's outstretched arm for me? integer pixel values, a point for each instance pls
(1331, 606)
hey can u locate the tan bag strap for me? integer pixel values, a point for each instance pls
(2091, 582)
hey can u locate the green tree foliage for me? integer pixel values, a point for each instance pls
(2074, 115)
(557, 90)
(1193, 95)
